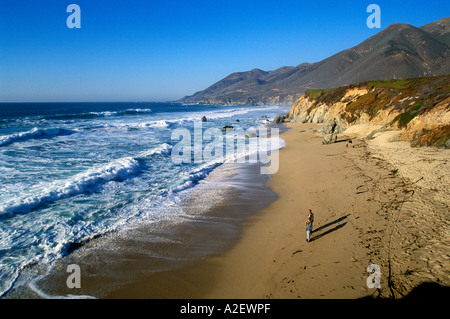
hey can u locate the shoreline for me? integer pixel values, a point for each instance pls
(115, 265)
(357, 198)
(190, 280)
(204, 222)
(364, 215)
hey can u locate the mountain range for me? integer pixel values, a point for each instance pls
(399, 51)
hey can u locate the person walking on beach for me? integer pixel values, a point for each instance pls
(309, 225)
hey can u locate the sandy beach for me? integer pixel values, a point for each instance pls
(366, 212)
(274, 260)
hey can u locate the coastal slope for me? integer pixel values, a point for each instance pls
(399, 51)
(418, 107)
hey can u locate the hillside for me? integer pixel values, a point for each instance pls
(399, 51)
(420, 107)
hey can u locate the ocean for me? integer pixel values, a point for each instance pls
(73, 172)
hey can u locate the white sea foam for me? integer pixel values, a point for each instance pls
(137, 111)
(125, 112)
(192, 178)
(257, 146)
(44, 295)
(262, 146)
(35, 133)
(105, 113)
(163, 149)
(119, 169)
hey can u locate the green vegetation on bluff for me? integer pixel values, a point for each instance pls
(411, 96)
(408, 98)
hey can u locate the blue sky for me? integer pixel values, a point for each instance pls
(162, 50)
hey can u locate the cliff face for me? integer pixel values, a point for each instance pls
(420, 107)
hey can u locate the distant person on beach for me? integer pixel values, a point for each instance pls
(309, 225)
(349, 144)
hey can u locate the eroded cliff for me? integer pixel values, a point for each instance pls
(419, 107)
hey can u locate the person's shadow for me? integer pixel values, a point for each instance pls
(337, 221)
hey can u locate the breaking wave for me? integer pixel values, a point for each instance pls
(35, 133)
(88, 181)
(96, 114)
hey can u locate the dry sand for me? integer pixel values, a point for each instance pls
(419, 241)
(373, 204)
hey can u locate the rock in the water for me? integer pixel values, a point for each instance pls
(227, 127)
(264, 116)
(250, 135)
(280, 119)
(330, 139)
(204, 119)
